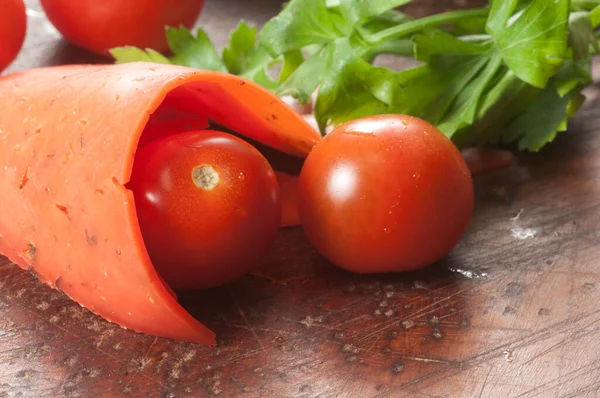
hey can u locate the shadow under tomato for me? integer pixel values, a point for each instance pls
(298, 311)
(66, 53)
(295, 282)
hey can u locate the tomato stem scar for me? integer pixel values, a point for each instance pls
(205, 177)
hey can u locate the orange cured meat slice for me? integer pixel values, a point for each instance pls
(68, 137)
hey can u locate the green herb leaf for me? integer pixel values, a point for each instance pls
(301, 23)
(595, 16)
(463, 111)
(511, 72)
(196, 52)
(291, 61)
(305, 79)
(531, 35)
(384, 21)
(540, 121)
(471, 26)
(504, 99)
(243, 56)
(429, 91)
(581, 35)
(134, 54)
(353, 93)
(573, 76)
(360, 10)
(437, 42)
(337, 90)
(445, 80)
(452, 65)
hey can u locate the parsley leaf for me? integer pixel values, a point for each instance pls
(531, 36)
(196, 52)
(540, 121)
(504, 99)
(438, 43)
(512, 72)
(302, 22)
(338, 91)
(595, 16)
(243, 57)
(360, 10)
(361, 89)
(306, 78)
(384, 21)
(573, 76)
(581, 35)
(133, 54)
(291, 61)
(463, 111)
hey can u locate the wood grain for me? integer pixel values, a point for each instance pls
(512, 312)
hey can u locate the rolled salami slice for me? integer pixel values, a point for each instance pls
(68, 137)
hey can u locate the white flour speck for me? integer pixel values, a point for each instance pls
(523, 233)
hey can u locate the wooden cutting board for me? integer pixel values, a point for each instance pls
(512, 312)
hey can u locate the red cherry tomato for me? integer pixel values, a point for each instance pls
(208, 205)
(99, 25)
(13, 26)
(385, 193)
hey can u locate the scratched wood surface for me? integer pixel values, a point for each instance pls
(512, 312)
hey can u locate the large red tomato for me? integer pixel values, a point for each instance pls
(13, 26)
(99, 25)
(385, 193)
(208, 205)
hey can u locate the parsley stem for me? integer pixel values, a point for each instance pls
(475, 38)
(400, 47)
(587, 4)
(418, 25)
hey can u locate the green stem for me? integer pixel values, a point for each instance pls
(475, 38)
(585, 4)
(418, 25)
(400, 47)
(406, 47)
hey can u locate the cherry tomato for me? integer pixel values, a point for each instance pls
(13, 26)
(98, 26)
(208, 205)
(384, 194)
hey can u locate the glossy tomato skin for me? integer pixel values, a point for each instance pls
(208, 205)
(386, 193)
(13, 26)
(98, 26)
